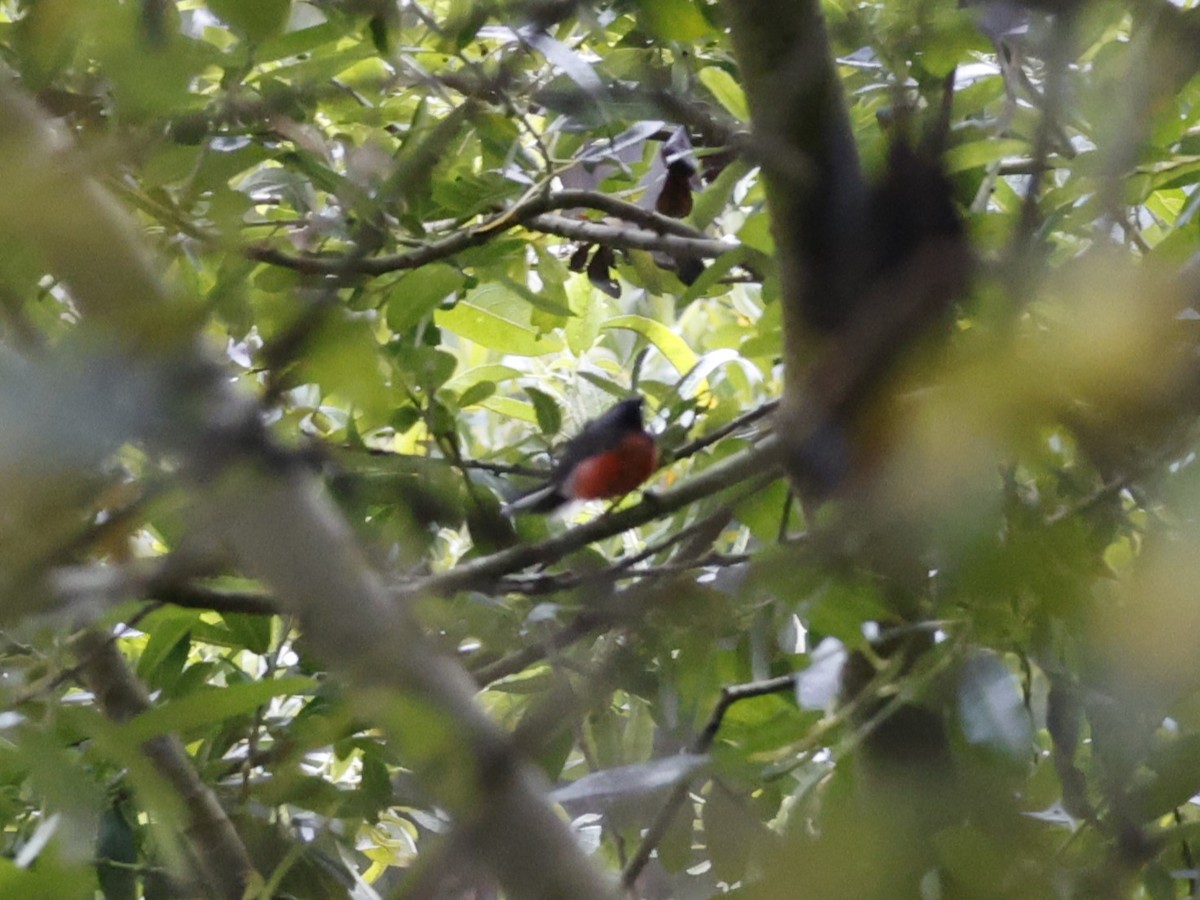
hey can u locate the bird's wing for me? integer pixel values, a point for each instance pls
(596, 437)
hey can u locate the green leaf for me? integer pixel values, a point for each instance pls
(1176, 765)
(840, 608)
(591, 308)
(971, 856)
(495, 317)
(425, 146)
(464, 194)
(732, 833)
(295, 43)
(491, 373)
(674, 20)
(675, 848)
(419, 293)
(376, 783)
(720, 267)
(1159, 883)
(695, 382)
(425, 368)
(982, 153)
(479, 385)
(610, 386)
(211, 706)
(756, 234)
(509, 408)
(116, 844)
(255, 20)
(763, 512)
(170, 628)
(538, 301)
(553, 274)
(45, 763)
(672, 346)
(715, 198)
(476, 394)
(727, 91)
(50, 880)
(554, 753)
(343, 358)
(549, 416)
(462, 21)
(251, 632)
(314, 168)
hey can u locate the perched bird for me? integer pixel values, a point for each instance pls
(610, 456)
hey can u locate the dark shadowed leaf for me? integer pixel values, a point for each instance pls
(116, 852)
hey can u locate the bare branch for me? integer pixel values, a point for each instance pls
(627, 239)
(522, 213)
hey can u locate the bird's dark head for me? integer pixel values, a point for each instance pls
(628, 413)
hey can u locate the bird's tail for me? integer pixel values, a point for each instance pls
(544, 499)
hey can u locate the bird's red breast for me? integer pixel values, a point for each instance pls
(615, 472)
(610, 457)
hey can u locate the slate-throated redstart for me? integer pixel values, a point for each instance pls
(610, 456)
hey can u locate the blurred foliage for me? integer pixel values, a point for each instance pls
(1031, 516)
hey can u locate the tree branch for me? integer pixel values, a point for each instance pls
(624, 238)
(815, 187)
(522, 213)
(190, 595)
(217, 853)
(577, 629)
(707, 440)
(163, 581)
(760, 462)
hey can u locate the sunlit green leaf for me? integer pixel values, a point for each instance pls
(982, 153)
(672, 346)
(674, 20)
(727, 91)
(256, 20)
(495, 317)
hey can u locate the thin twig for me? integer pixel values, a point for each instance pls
(701, 745)
(707, 440)
(1110, 488)
(522, 659)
